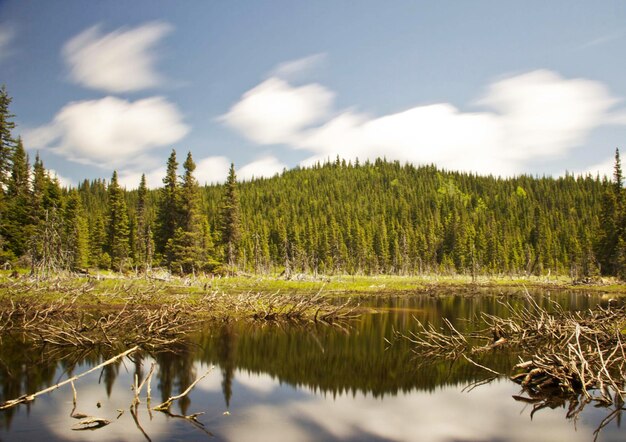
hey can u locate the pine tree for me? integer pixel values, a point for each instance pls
(144, 244)
(18, 225)
(117, 245)
(168, 208)
(185, 247)
(97, 244)
(610, 243)
(231, 218)
(7, 142)
(76, 234)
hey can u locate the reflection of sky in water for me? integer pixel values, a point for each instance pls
(351, 386)
(261, 408)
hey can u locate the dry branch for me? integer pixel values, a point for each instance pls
(30, 397)
(566, 353)
(168, 403)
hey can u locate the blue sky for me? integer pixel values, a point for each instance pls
(485, 86)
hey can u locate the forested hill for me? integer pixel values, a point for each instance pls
(386, 217)
(370, 218)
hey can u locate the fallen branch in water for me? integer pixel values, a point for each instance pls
(30, 397)
(168, 403)
(91, 423)
(568, 357)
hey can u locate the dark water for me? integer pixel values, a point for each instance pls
(292, 383)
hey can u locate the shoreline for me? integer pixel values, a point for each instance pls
(107, 287)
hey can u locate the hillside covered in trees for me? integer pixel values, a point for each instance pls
(338, 217)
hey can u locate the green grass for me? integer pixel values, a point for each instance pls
(111, 288)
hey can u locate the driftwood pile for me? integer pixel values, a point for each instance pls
(575, 356)
(63, 323)
(293, 308)
(150, 314)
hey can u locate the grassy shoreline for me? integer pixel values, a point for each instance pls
(110, 288)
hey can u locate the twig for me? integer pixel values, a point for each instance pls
(168, 403)
(30, 397)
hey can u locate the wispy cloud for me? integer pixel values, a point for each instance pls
(274, 111)
(130, 178)
(603, 39)
(264, 167)
(528, 117)
(209, 170)
(7, 35)
(212, 170)
(290, 70)
(603, 168)
(110, 132)
(120, 61)
(63, 181)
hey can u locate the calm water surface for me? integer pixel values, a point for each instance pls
(292, 383)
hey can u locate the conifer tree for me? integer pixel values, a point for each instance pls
(7, 142)
(117, 244)
(144, 245)
(18, 223)
(97, 240)
(6, 151)
(76, 234)
(231, 218)
(610, 244)
(185, 247)
(168, 209)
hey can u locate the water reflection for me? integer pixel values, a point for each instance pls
(296, 383)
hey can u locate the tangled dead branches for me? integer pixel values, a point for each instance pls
(150, 314)
(293, 308)
(564, 354)
(62, 323)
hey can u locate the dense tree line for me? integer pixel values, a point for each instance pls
(337, 217)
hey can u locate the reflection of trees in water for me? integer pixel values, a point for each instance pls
(176, 371)
(227, 357)
(323, 358)
(26, 368)
(333, 361)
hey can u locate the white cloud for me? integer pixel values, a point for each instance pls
(274, 111)
(294, 68)
(604, 168)
(110, 132)
(426, 134)
(534, 116)
(63, 181)
(7, 34)
(130, 179)
(265, 167)
(543, 114)
(487, 413)
(121, 61)
(212, 170)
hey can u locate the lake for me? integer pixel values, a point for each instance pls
(285, 382)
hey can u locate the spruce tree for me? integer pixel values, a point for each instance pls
(98, 257)
(18, 222)
(117, 244)
(76, 234)
(231, 218)
(185, 247)
(144, 245)
(7, 142)
(610, 248)
(168, 208)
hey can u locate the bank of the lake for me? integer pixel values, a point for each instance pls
(106, 287)
(283, 381)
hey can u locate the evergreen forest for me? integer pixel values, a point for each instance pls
(377, 217)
